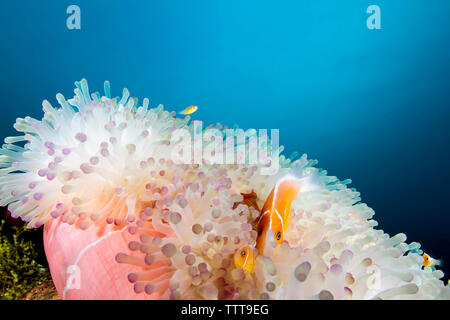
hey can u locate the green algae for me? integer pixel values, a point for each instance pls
(20, 267)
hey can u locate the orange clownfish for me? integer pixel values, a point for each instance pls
(429, 261)
(189, 110)
(275, 214)
(244, 258)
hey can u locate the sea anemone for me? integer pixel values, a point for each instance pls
(124, 220)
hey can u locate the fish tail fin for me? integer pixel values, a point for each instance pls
(436, 262)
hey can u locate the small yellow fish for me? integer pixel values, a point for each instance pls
(429, 261)
(189, 110)
(244, 258)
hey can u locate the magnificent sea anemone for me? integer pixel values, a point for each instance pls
(123, 220)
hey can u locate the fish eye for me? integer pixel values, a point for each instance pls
(278, 235)
(259, 232)
(243, 253)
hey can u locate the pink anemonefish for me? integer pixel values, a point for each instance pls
(276, 212)
(275, 215)
(244, 258)
(429, 261)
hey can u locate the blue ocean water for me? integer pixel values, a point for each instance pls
(370, 105)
